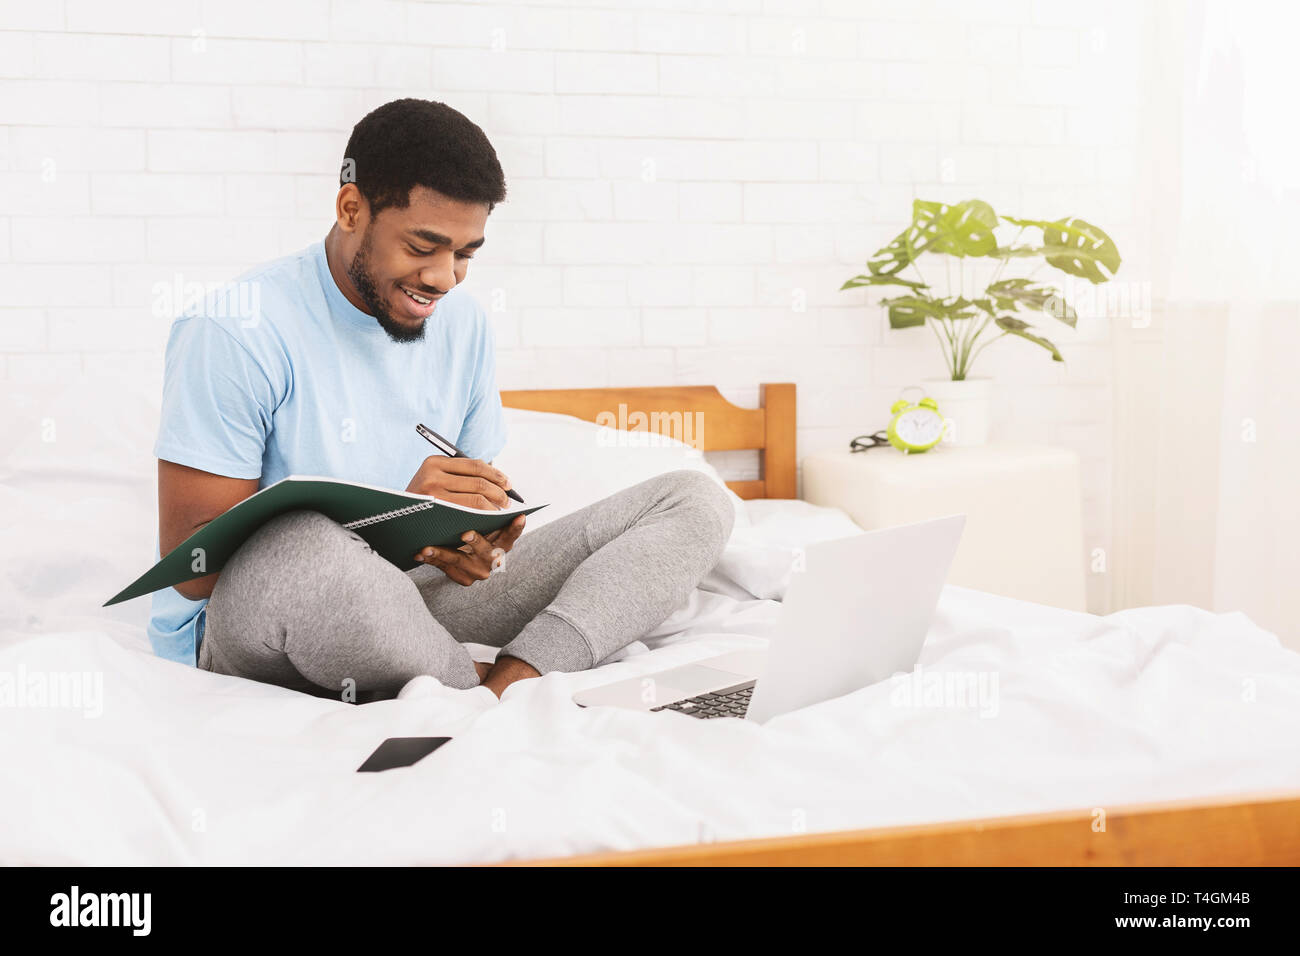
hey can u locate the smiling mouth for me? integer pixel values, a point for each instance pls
(419, 299)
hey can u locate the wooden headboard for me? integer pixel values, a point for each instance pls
(697, 414)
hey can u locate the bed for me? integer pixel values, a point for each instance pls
(1153, 736)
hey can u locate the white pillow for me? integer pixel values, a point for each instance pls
(89, 428)
(78, 508)
(760, 556)
(571, 463)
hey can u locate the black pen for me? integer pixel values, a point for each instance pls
(451, 451)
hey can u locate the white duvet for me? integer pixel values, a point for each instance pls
(1015, 708)
(183, 766)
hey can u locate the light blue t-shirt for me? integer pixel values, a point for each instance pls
(278, 374)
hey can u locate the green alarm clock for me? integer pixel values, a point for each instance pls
(916, 426)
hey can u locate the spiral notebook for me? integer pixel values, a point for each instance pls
(396, 524)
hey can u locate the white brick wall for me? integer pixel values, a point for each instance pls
(690, 180)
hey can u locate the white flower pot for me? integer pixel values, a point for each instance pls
(966, 405)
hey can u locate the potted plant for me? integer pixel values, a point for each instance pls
(964, 326)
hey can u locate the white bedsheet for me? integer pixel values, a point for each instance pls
(188, 767)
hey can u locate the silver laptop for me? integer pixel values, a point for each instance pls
(857, 610)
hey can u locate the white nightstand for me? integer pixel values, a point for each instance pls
(1024, 522)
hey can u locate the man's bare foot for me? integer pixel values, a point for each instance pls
(482, 667)
(505, 672)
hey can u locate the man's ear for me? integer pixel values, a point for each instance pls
(350, 207)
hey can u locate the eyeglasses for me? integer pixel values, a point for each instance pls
(867, 442)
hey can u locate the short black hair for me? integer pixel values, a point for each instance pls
(409, 143)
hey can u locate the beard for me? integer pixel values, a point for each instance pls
(364, 283)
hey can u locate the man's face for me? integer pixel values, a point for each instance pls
(405, 260)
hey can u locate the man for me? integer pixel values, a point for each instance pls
(355, 340)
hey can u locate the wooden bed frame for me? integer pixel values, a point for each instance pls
(1244, 830)
(724, 426)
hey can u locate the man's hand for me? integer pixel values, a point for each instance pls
(478, 557)
(464, 481)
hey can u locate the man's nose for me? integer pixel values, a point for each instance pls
(439, 275)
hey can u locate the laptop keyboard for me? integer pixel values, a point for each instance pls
(728, 702)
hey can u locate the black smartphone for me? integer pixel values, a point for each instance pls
(401, 752)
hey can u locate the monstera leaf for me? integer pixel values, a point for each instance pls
(1023, 329)
(1010, 293)
(964, 229)
(1077, 248)
(858, 281)
(909, 311)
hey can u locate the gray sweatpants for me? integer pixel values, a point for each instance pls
(307, 605)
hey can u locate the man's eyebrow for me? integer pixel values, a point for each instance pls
(438, 239)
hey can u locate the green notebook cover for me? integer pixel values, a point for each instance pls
(396, 524)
